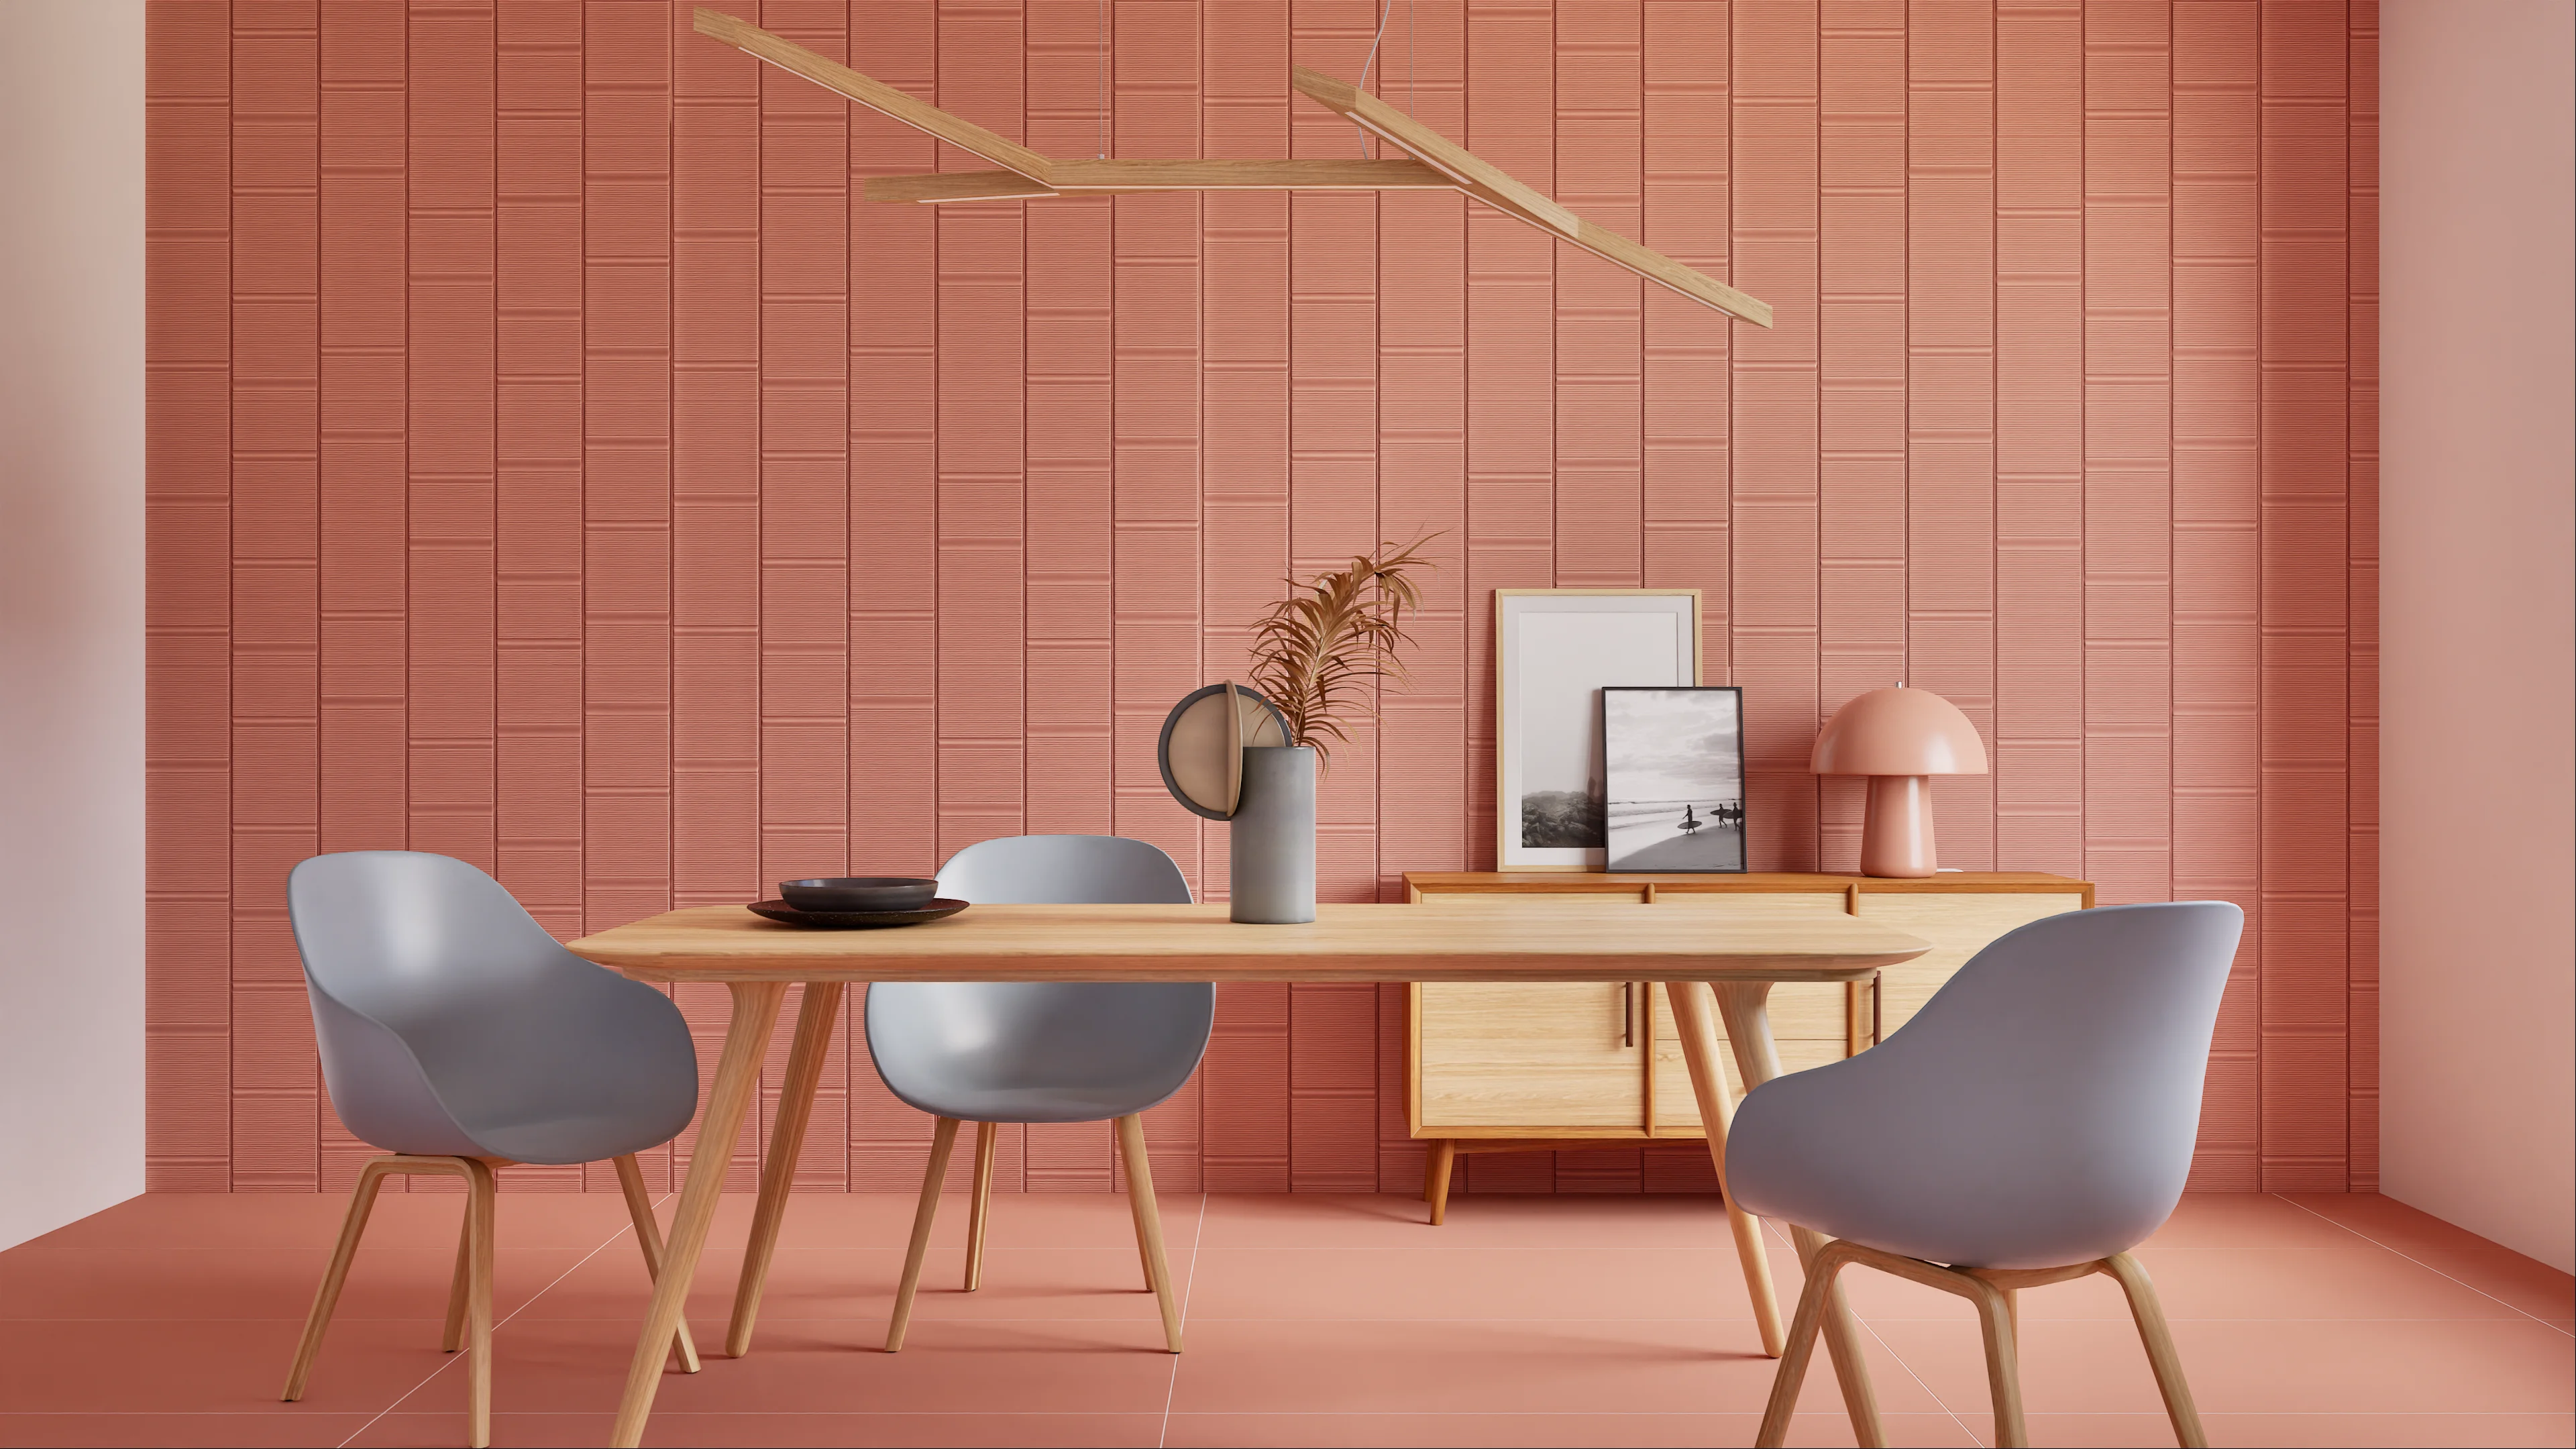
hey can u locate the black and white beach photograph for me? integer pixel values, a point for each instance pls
(1675, 778)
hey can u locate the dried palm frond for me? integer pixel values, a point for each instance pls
(1318, 653)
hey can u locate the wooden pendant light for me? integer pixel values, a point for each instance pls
(1024, 174)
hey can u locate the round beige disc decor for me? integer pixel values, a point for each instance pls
(1201, 752)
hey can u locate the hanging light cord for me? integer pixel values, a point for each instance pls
(1383, 6)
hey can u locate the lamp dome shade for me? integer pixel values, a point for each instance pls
(1899, 731)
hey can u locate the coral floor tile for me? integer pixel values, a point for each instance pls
(2386, 1221)
(672, 1430)
(203, 1366)
(858, 1284)
(145, 1283)
(1562, 1367)
(1537, 1431)
(1019, 1220)
(819, 1366)
(2245, 1220)
(1386, 1220)
(1311, 1319)
(1470, 1283)
(2524, 1284)
(2311, 1367)
(279, 1425)
(2357, 1282)
(301, 1220)
(2310, 1431)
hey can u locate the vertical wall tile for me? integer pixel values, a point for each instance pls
(2217, 669)
(2306, 560)
(276, 544)
(1775, 103)
(1863, 295)
(188, 445)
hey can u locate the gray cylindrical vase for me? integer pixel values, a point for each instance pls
(1271, 840)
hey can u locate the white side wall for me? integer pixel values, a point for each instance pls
(71, 611)
(2477, 1073)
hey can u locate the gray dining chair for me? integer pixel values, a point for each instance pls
(458, 1037)
(2030, 1125)
(989, 1052)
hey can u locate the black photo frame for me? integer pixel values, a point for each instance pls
(1673, 773)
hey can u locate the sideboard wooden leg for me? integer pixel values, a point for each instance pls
(1435, 1177)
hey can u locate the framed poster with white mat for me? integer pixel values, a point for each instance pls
(1555, 650)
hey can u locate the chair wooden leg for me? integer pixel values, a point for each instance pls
(2150, 1314)
(943, 1141)
(1149, 1225)
(980, 1204)
(1799, 1348)
(452, 1336)
(362, 1202)
(481, 1186)
(648, 1236)
(1435, 1178)
(1144, 1264)
(2003, 1359)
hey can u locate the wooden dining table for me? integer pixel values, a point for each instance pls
(1736, 960)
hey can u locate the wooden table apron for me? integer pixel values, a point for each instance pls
(1738, 959)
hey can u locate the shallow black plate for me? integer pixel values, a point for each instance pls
(853, 920)
(868, 894)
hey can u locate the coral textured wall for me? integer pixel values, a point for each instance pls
(557, 464)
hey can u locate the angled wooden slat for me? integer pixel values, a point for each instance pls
(957, 186)
(1655, 267)
(1344, 174)
(876, 95)
(1486, 182)
(1499, 191)
(1123, 177)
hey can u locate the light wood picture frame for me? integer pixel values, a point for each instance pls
(1554, 651)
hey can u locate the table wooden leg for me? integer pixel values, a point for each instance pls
(1745, 1006)
(814, 1022)
(1694, 1022)
(755, 1011)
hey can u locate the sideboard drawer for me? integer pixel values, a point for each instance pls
(1958, 925)
(1552, 1056)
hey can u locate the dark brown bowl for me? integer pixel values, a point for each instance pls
(859, 893)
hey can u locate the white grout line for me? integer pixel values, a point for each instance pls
(497, 1325)
(2418, 1262)
(1198, 1236)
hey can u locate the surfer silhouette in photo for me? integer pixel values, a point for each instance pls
(1689, 821)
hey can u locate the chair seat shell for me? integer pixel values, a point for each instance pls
(2040, 1110)
(451, 1024)
(1044, 1051)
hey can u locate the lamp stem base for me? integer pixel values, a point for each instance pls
(1896, 837)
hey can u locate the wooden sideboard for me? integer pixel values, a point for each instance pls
(1505, 1068)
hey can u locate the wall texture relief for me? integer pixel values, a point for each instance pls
(555, 463)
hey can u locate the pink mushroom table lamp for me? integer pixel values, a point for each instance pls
(1898, 737)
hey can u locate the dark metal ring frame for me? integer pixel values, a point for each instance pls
(1163, 744)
